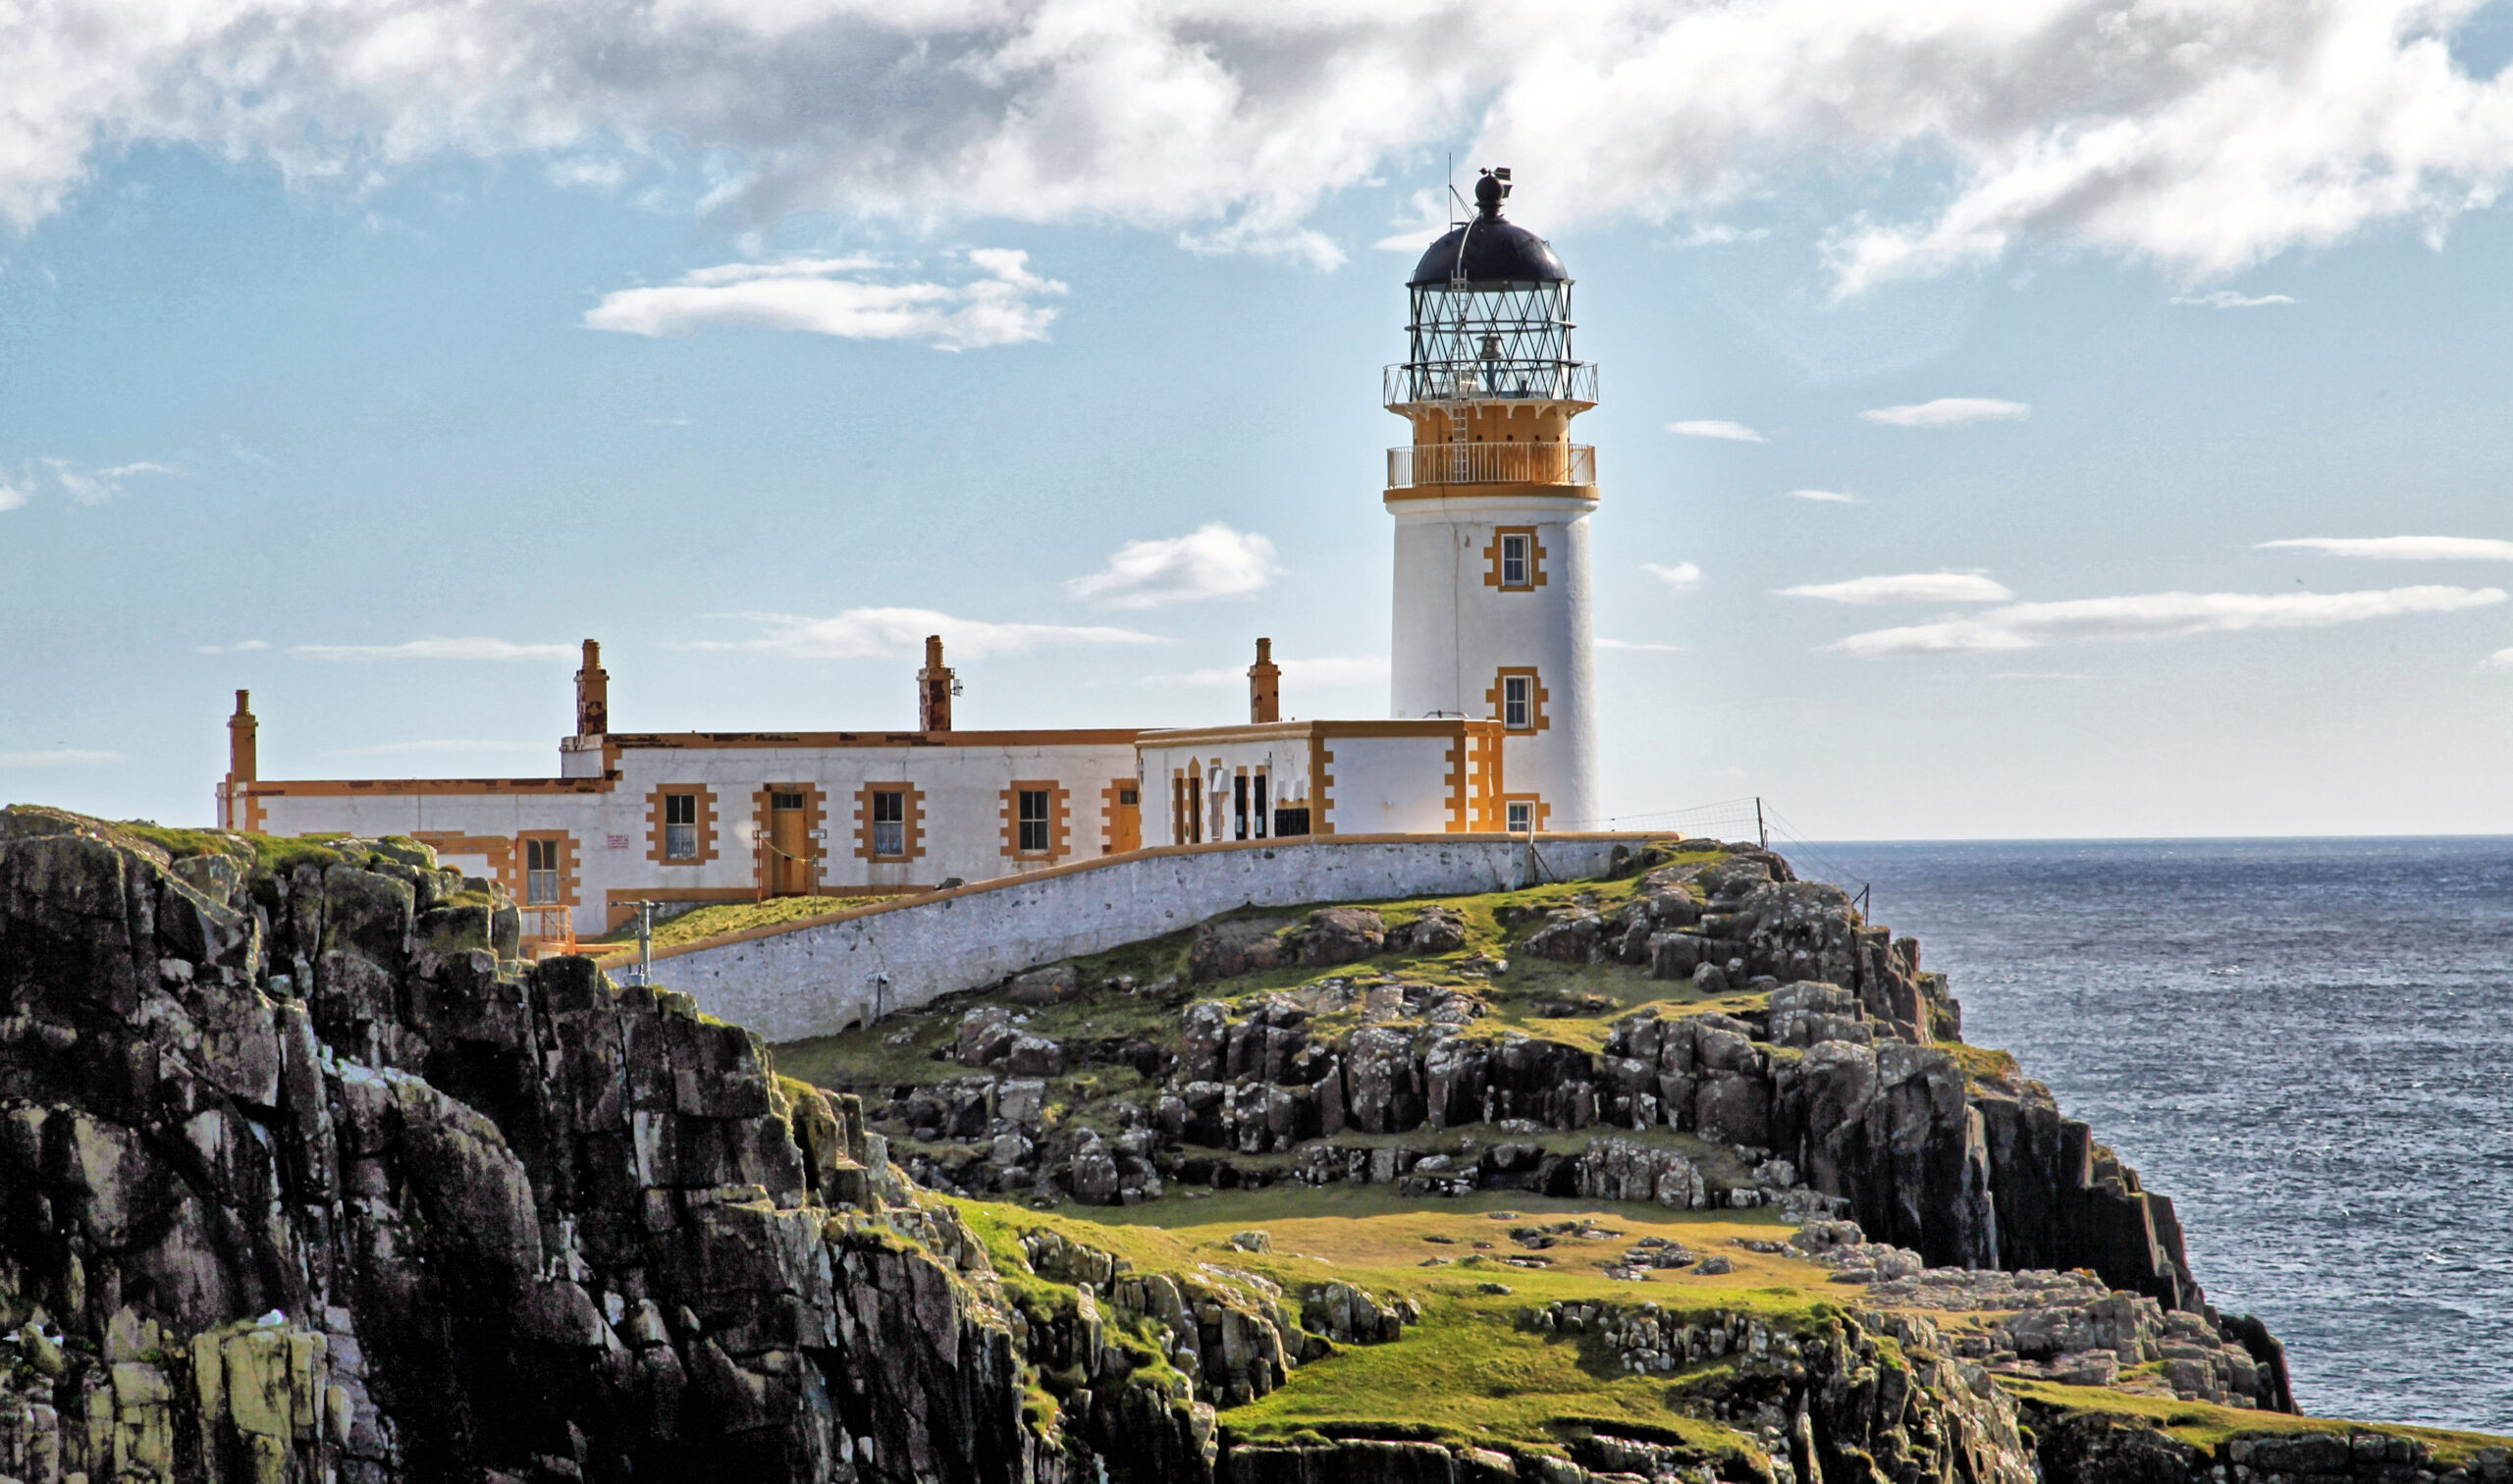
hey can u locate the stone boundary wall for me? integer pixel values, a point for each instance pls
(816, 977)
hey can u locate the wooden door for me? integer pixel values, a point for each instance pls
(790, 843)
(1125, 816)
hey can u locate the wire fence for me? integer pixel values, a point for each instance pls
(1749, 818)
(1725, 819)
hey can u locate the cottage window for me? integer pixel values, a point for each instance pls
(890, 822)
(680, 826)
(1034, 821)
(1520, 815)
(540, 873)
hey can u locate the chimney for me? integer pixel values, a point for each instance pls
(593, 694)
(1264, 685)
(933, 689)
(242, 760)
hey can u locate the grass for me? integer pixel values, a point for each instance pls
(2205, 1425)
(1468, 1373)
(1495, 922)
(256, 852)
(720, 918)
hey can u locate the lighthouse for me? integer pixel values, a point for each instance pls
(1491, 501)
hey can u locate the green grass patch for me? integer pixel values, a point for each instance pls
(1984, 1064)
(717, 919)
(2206, 1425)
(1469, 1372)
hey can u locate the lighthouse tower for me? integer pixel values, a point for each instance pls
(1491, 502)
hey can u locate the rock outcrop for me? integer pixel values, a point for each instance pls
(1847, 1088)
(299, 1180)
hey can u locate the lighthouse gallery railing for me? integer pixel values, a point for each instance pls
(1546, 463)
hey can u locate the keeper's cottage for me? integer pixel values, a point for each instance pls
(1491, 722)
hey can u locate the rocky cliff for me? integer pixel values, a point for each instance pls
(303, 1177)
(1812, 1063)
(298, 1183)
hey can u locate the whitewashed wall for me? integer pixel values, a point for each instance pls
(1453, 633)
(962, 813)
(819, 980)
(1389, 785)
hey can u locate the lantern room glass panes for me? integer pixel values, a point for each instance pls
(1476, 341)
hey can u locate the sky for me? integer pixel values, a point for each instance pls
(2018, 419)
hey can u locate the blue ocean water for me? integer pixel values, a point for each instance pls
(2308, 1044)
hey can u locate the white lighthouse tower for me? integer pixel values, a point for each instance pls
(1491, 502)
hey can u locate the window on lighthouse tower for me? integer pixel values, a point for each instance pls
(1514, 562)
(1518, 702)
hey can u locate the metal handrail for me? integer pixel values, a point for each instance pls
(545, 925)
(1411, 382)
(1545, 463)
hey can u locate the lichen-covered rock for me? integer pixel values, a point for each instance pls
(1435, 930)
(1242, 945)
(302, 1187)
(1040, 987)
(1341, 936)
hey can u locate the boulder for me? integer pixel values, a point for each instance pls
(1571, 939)
(1033, 1056)
(1241, 945)
(1438, 929)
(1674, 955)
(1341, 936)
(1039, 987)
(986, 1034)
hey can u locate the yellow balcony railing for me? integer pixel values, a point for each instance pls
(1472, 463)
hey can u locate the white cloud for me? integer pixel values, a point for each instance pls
(597, 174)
(10, 497)
(1681, 574)
(1827, 497)
(2159, 616)
(1948, 412)
(437, 649)
(893, 633)
(59, 757)
(2405, 547)
(1907, 587)
(1210, 562)
(2501, 660)
(1638, 646)
(399, 749)
(2040, 676)
(1714, 428)
(91, 487)
(2205, 136)
(836, 296)
(1311, 669)
(2227, 299)
(1719, 235)
(246, 647)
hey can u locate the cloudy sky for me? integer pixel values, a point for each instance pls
(2020, 418)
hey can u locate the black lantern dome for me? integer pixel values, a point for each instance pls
(1491, 316)
(1497, 250)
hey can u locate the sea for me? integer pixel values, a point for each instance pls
(2308, 1044)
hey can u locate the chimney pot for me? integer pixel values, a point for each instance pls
(933, 689)
(593, 694)
(1264, 685)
